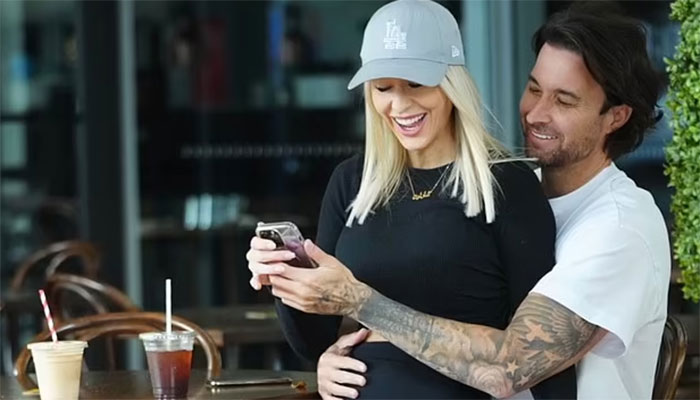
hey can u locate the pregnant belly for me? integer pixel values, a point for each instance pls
(393, 374)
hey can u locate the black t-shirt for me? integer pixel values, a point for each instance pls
(429, 256)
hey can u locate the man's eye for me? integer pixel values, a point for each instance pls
(564, 103)
(414, 85)
(382, 88)
(534, 90)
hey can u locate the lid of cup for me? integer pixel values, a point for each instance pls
(61, 345)
(174, 335)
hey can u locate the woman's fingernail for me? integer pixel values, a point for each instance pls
(289, 255)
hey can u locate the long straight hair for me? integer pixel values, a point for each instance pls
(471, 180)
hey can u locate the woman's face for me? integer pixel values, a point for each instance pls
(419, 116)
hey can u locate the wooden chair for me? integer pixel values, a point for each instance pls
(73, 296)
(88, 328)
(671, 357)
(40, 265)
(66, 292)
(55, 256)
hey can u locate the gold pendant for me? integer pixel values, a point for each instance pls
(422, 195)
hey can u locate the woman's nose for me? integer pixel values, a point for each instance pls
(400, 103)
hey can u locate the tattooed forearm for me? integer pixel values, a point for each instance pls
(543, 338)
(342, 296)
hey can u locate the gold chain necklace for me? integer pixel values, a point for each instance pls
(425, 193)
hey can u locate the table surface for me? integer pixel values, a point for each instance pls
(136, 385)
(244, 323)
(237, 324)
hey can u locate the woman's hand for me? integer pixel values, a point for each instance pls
(264, 260)
(328, 289)
(335, 370)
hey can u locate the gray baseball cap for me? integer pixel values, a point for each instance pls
(413, 40)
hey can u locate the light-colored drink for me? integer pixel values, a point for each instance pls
(58, 367)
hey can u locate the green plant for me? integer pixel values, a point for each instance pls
(683, 153)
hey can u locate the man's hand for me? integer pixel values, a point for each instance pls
(329, 289)
(335, 369)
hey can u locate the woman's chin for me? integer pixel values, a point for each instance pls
(415, 143)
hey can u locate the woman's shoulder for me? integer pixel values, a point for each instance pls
(518, 187)
(349, 170)
(346, 176)
(514, 172)
(352, 165)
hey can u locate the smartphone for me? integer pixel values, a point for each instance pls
(287, 236)
(277, 380)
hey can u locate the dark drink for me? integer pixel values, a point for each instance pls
(170, 373)
(169, 357)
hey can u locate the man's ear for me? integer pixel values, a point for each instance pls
(618, 116)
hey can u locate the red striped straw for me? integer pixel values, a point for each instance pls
(47, 314)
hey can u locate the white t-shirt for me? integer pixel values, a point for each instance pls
(612, 268)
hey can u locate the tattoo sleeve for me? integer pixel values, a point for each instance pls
(543, 338)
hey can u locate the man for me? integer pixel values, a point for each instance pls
(590, 98)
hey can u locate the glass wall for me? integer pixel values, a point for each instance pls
(37, 127)
(38, 117)
(243, 112)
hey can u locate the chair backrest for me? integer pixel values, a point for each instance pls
(72, 296)
(88, 328)
(66, 291)
(671, 357)
(54, 256)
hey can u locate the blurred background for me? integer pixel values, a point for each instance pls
(162, 131)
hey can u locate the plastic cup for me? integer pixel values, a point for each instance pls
(169, 358)
(58, 366)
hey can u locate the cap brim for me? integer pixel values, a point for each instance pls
(426, 73)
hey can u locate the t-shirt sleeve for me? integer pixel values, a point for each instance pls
(604, 274)
(526, 233)
(309, 334)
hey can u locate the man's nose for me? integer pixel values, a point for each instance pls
(539, 113)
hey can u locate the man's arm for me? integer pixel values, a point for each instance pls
(543, 338)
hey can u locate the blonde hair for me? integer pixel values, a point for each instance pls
(470, 179)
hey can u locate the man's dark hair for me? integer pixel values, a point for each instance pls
(614, 50)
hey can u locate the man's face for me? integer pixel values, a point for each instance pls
(560, 110)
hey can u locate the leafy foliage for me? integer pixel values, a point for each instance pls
(683, 153)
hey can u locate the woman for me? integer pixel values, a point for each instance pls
(434, 216)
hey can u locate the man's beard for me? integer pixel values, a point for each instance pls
(551, 158)
(559, 156)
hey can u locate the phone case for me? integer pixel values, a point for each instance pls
(219, 382)
(286, 235)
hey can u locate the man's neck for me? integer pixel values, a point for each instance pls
(558, 181)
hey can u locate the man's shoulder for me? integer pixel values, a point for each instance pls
(618, 201)
(617, 212)
(630, 206)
